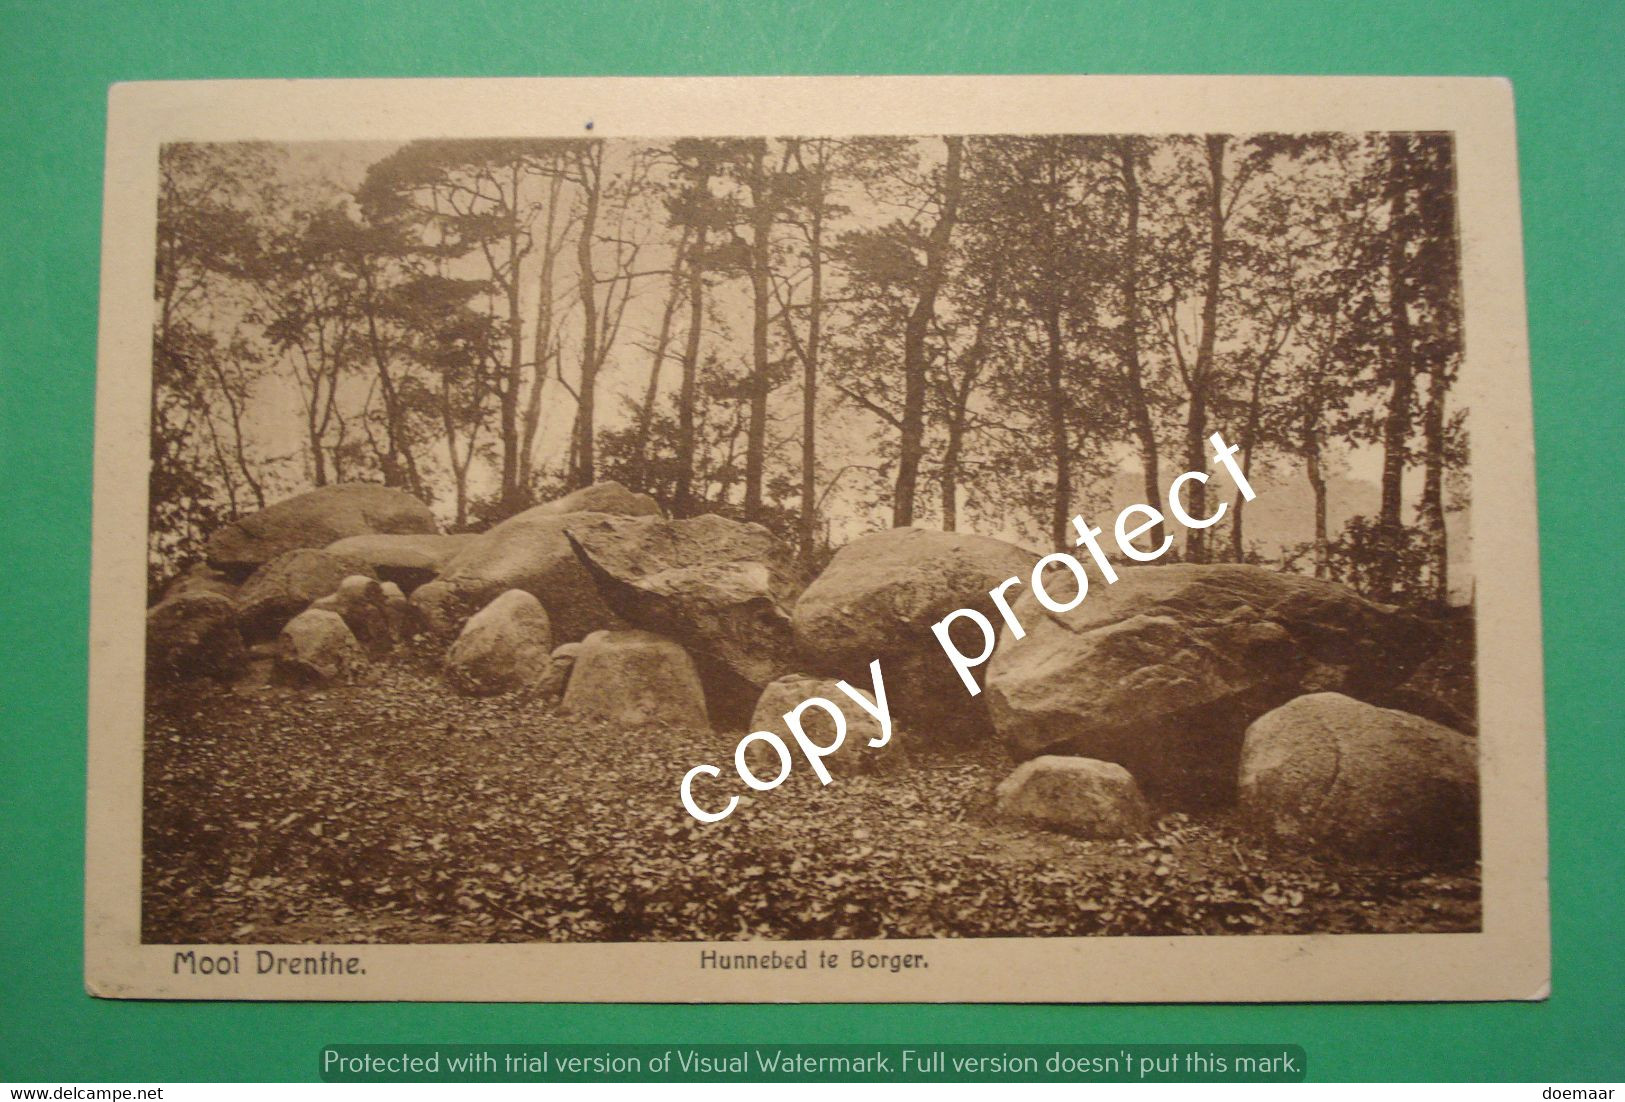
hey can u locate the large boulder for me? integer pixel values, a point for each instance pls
(201, 578)
(1162, 671)
(364, 607)
(528, 551)
(602, 497)
(407, 559)
(194, 635)
(855, 754)
(285, 586)
(636, 678)
(559, 667)
(1362, 780)
(878, 598)
(722, 588)
(1094, 799)
(315, 519)
(504, 647)
(441, 608)
(1444, 688)
(316, 648)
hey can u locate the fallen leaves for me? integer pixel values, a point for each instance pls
(395, 811)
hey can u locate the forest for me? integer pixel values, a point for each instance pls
(822, 334)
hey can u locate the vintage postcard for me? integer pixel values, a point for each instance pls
(843, 539)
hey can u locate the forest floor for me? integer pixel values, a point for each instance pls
(394, 811)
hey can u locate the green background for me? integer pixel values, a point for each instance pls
(57, 61)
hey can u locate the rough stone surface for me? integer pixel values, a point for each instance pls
(201, 578)
(441, 609)
(559, 666)
(636, 678)
(878, 598)
(1163, 670)
(315, 519)
(1095, 799)
(602, 497)
(316, 648)
(285, 586)
(407, 559)
(722, 588)
(404, 619)
(855, 755)
(1444, 688)
(194, 635)
(528, 551)
(361, 602)
(1363, 780)
(504, 647)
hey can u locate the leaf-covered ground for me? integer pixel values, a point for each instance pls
(395, 811)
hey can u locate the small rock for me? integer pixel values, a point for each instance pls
(317, 648)
(855, 753)
(559, 666)
(503, 647)
(404, 619)
(1094, 799)
(361, 602)
(441, 608)
(635, 679)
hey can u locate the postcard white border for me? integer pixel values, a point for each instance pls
(1509, 959)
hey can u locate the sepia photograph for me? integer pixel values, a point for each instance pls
(755, 545)
(805, 546)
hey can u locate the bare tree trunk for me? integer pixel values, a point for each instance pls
(726, 478)
(1249, 435)
(399, 464)
(956, 396)
(949, 476)
(459, 474)
(318, 460)
(683, 505)
(1201, 372)
(1317, 484)
(309, 378)
(1060, 446)
(916, 359)
(1249, 438)
(390, 461)
(542, 346)
(512, 493)
(1437, 210)
(1145, 432)
(239, 452)
(1396, 427)
(227, 479)
(590, 165)
(657, 362)
(809, 386)
(1432, 512)
(761, 220)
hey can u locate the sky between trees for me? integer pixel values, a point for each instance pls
(827, 335)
